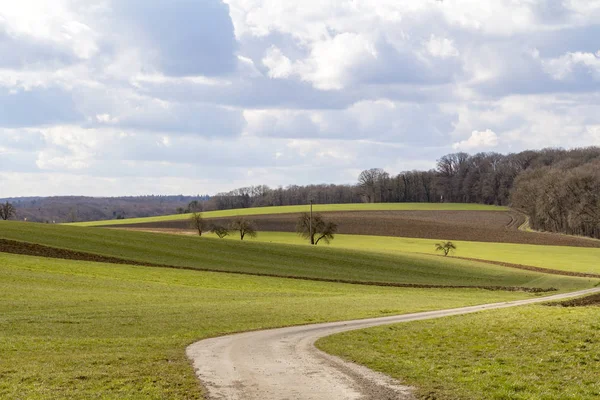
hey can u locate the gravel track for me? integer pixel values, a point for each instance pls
(281, 364)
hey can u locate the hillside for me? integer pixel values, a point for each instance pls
(79, 208)
(279, 259)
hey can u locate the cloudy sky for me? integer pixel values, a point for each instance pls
(116, 97)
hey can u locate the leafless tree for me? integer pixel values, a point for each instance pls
(195, 206)
(446, 247)
(219, 230)
(244, 227)
(321, 229)
(7, 211)
(561, 198)
(72, 216)
(197, 222)
(370, 183)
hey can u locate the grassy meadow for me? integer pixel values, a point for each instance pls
(320, 262)
(305, 208)
(82, 330)
(575, 259)
(528, 353)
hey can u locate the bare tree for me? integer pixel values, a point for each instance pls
(197, 222)
(72, 216)
(369, 182)
(195, 206)
(7, 211)
(219, 230)
(446, 247)
(321, 230)
(244, 227)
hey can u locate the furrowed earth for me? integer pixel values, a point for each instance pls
(480, 226)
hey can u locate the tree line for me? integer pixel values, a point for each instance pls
(558, 189)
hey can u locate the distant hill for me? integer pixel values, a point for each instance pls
(75, 209)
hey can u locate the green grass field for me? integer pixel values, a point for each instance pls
(82, 330)
(577, 259)
(285, 260)
(297, 209)
(531, 353)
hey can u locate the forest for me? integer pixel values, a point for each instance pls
(558, 189)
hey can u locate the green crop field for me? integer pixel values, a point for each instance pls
(83, 330)
(297, 209)
(531, 353)
(285, 260)
(576, 259)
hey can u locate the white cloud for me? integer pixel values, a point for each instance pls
(106, 119)
(278, 64)
(441, 47)
(330, 64)
(55, 24)
(563, 67)
(478, 140)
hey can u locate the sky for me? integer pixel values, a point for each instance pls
(132, 97)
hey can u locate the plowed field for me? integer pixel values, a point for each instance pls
(482, 226)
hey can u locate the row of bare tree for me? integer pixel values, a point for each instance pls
(310, 226)
(561, 198)
(486, 178)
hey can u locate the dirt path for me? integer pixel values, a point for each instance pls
(280, 364)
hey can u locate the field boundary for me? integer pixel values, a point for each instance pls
(38, 250)
(257, 211)
(529, 267)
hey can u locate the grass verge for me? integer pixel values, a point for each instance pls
(530, 353)
(82, 330)
(304, 208)
(283, 260)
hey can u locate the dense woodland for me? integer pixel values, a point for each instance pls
(558, 189)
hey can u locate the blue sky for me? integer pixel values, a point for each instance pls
(124, 97)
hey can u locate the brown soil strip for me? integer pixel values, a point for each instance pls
(477, 226)
(38, 250)
(31, 249)
(531, 268)
(593, 300)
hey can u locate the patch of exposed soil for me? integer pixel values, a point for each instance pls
(535, 269)
(31, 249)
(593, 300)
(478, 226)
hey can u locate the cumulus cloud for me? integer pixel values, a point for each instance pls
(278, 64)
(441, 47)
(331, 63)
(478, 140)
(565, 66)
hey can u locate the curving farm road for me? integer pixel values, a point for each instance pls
(283, 364)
